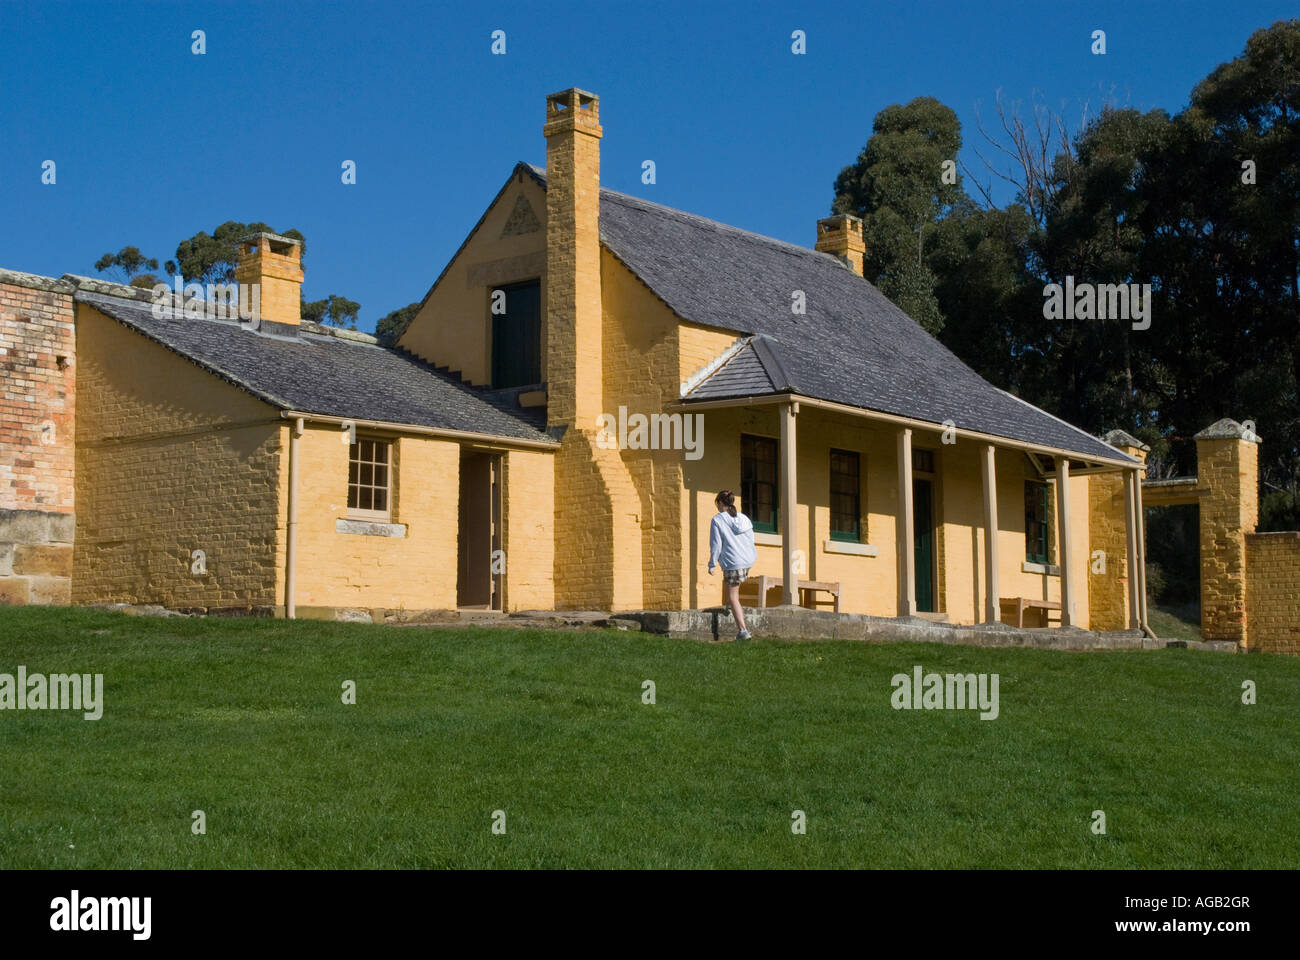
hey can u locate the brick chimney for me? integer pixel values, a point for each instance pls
(841, 237)
(573, 297)
(595, 496)
(275, 264)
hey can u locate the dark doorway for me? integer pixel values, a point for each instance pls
(1173, 552)
(481, 565)
(923, 537)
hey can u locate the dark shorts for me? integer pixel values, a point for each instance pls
(735, 577)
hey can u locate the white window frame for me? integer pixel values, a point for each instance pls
(359, 513)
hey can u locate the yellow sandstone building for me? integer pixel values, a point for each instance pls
(550, 431)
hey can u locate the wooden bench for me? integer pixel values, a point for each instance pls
(1018, 606)
(808, 590)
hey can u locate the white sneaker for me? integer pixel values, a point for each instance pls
(743, 636)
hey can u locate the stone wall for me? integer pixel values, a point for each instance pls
(1110, 573)
(1273, 591)
(170, 459)
(1250, 582)
(408, 563)
(37, 438)
(529, 514)
(1228, 481)
(1108, 533)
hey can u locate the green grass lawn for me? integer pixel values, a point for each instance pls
(1176, 623)
(243, 719)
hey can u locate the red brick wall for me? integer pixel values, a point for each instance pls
(37, 432)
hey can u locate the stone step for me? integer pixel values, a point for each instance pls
(934, 617)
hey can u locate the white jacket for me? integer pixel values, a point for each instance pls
(731, 542)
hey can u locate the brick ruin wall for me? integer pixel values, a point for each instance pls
(37, 435)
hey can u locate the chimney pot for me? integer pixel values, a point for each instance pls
(572, 109)
(274, 263)
(841, 236)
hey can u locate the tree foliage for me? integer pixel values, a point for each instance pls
(128, 262)
(210, 257)
(896, 188)
(393, 325)
(1130, 197)
(333, 310)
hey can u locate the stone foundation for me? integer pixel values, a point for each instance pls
(800, 624)
(35, 557)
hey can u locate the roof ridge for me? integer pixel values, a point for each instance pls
(792, 248)
(339, 333)
(110, 288)
(763, 347)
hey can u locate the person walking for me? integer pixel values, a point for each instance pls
(731, 546)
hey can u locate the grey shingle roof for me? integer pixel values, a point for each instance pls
(751, 371)
(328, 375)
(852, 346)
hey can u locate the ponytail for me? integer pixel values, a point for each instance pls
(727, 500)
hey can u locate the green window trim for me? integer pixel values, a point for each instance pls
(760, 482)
(845, 496)
(1038, 519)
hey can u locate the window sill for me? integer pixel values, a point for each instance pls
(1051, 569)
(369, 528)
(850, 548)
(766, 539)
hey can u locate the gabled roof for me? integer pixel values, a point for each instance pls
(751, 371)
(327, 375)
(851, 346)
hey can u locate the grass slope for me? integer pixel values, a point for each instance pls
(1176, 623)
(243, 719)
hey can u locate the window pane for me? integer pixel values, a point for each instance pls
(759, 474)
(517, 336)
(368, 474)
(1036, 521)
(845, 499)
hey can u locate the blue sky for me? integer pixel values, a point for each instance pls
(153, 143)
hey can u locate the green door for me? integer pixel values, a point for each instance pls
(517, 337)
(923, 537)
